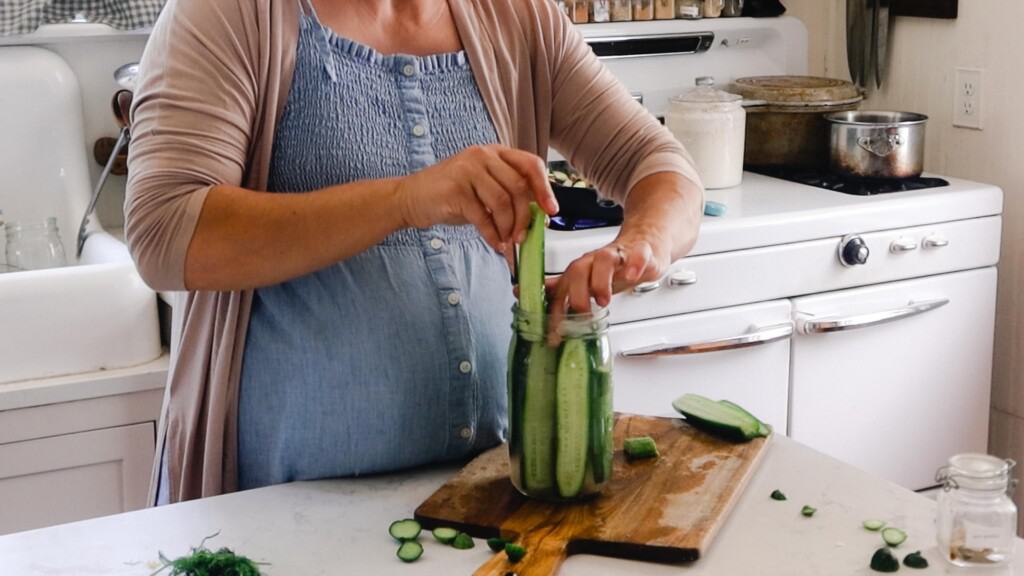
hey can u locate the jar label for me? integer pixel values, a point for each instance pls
(691, 11)
(981, 537)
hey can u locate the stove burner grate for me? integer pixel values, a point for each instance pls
(823, 178)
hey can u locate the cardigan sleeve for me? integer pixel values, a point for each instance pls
(192, 121)
(596, 124)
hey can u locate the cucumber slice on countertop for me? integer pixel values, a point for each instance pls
(894, 536)
(717, 418)
(572, 407)
(762, 428)
(915, 560)
(884, 561)
(640, 447)
(463, 542)
(496, 544)
(873, 525)
(403, 530)
(410, 551)
(445, 535)
(515, 552)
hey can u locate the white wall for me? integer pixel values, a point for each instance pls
(925, 55)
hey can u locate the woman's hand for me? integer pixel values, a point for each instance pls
(490, 187)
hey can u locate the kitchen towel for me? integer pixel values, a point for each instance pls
(25, 16)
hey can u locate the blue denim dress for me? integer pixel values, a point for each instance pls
(395, 357)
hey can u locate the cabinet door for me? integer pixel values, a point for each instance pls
(74, 477)
(896, 378)
(740, 354)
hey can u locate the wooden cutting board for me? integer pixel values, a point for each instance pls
(663, 510)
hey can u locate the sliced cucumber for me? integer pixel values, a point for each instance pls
(496, 544)
(410, 551)
(531, 268)
(884, 561)
(762, 428)
(778, 495)
(538, 418)
(894, 536)
(808, 511)
(602, 421)
(445, 535)
(463, 542)
(915, 560)
(515, 552)
(573, 416)
(403, 530)
(873, 525)
(717, 418)
(640, 447)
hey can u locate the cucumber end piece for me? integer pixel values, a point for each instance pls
(463, 542)
(445, 535)
(915, 560)
(496, 544)
(725, 420)
(405, 530)
(640, 447)
(410, 551)
(808, 511)
(778, 495)
(894, 536)
(514, 552)
(884, 561)
(873, 525)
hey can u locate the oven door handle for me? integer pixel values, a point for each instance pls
(756, 336)
(808, 324)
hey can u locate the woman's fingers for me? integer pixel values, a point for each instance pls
(498, 203)
(478, 216)
(518, 190)
(606, 262)
(533, 169)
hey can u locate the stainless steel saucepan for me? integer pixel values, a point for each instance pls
(874, 144)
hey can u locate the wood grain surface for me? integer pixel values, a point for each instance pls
(663, 510)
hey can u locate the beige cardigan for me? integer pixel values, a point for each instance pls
(215, 77)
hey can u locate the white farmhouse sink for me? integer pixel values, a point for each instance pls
(96, 313)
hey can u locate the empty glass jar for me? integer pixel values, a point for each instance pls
(34, 245)
(690, 9)
(560, 407)
(732, 8)
(977, 520)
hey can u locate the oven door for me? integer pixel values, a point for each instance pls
(739, 353)
(895, 378)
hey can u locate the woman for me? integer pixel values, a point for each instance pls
(358, 322)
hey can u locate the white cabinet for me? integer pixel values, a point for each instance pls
(75, 476)
(739, 353)
(895, 378)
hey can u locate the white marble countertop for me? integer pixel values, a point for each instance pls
(340, 527)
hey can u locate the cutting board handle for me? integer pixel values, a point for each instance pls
(545, 552)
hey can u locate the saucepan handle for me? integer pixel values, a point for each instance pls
(881, 147)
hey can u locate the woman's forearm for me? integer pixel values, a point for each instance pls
(247, 239)
(666, 208)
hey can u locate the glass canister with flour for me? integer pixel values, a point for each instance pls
(711, 124)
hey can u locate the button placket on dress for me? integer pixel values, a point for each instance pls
(462, 393)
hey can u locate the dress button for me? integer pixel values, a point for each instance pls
(409, 70)
(465, 366)
(437, 243)
(466, 432)
(454, 298)
(419, 130)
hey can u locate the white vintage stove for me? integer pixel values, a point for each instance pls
(859, 325)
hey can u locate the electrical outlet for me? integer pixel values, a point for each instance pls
(967, 98)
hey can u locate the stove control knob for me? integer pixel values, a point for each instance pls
(853, 251)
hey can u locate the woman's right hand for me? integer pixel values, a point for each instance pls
(490, 187)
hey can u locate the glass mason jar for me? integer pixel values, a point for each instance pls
(560, 407)
(600, 11)
(664, 9)
(732, 8)
(621, 10)
(34, 245)
(643, 9)
(977, 520)
(580, 11)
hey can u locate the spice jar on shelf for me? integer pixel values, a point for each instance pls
(977, 520)
(643, 9)
(713, 8)
(690, 9)
(579, 11)
(665, 9)
(600, 11)
(732, 8)
(621, 10)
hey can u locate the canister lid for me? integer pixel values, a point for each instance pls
(976, 472)
(706, 93)
(797, 90)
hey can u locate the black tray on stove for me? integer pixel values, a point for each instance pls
(581, 208)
